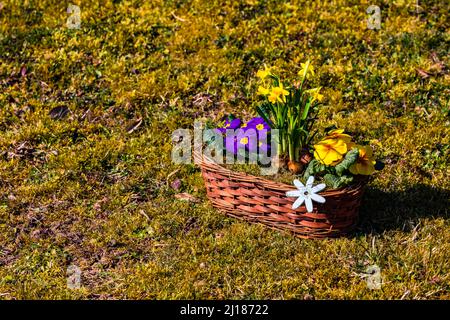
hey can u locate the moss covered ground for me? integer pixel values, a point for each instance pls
(86, 117)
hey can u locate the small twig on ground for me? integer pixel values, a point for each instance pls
(178, 18)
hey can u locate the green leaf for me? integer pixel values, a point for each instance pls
(297, 98)
(335, 182)
(349, 159)
(306, 110)
(331, 180)
(314, 167)
(265, 116)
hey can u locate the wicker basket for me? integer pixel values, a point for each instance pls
(259, 200)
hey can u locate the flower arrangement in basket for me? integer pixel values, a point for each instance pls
(285, 129)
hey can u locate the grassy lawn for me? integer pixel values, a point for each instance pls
(86, 176)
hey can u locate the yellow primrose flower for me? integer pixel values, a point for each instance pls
(263, 91)
(307, 70)
(365, 164)
(330, 151)
(262, 74)
(339, 134)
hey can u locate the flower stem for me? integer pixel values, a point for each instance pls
(279, 145)
(291, 148)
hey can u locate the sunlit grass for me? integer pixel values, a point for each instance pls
(82, 190)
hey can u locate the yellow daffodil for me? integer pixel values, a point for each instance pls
(262, 74)
(263, 91)
(278, 94)
(316, 95)
(274, 98)
(330, 151)
(365, 164)
(307, 70)
(339, 134)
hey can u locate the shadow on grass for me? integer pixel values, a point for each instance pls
(382, 211)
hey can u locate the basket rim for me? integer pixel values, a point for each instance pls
(208, 163)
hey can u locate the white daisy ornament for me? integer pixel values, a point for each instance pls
(306, 194)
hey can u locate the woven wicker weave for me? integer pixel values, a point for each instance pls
(259, 200)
